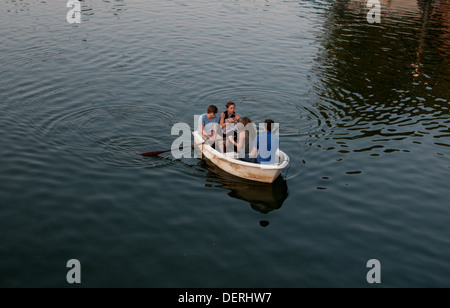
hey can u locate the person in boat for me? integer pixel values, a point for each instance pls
(228, 121)
(208, 127)
(266, 145)
(246, 136)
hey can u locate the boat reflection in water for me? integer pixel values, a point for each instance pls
(262, 197)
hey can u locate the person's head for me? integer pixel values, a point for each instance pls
(212, 110)
(230, 107)
(268, 124)
(245, 121)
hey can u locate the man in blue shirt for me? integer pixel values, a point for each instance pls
(208, 124)
(266, 145)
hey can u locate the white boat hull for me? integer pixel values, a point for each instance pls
(236, 167)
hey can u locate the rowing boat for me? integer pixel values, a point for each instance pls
(229, 162)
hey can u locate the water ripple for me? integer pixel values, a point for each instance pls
(108, 132)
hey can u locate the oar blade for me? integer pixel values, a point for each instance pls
(156, 153)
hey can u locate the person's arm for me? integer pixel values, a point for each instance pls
(255, 150)
(202, 129)
(222, 120)
(241, 140)
(255, 147)
(214, 131)
(234, 119)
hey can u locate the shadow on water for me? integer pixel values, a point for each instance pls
(262, 197)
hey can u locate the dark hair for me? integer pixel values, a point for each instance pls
(229, 104)
(245, 121)
(269, 125)
(212, 109)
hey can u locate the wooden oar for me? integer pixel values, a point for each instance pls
(156, 153)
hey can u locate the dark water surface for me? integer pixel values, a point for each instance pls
(363, 112)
